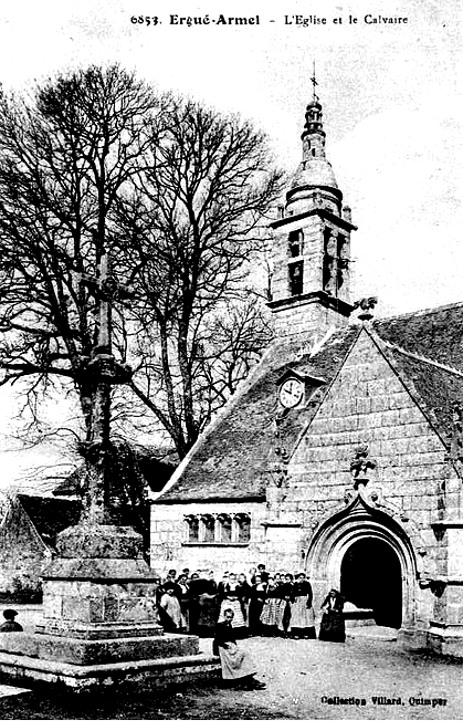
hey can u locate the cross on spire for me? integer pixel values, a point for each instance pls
(314, 82)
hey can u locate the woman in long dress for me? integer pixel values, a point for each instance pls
(204, 609)
(170, 606)
(208, 609)
(333, 627)
(232, 599)
(238, 668)
(244, 593)
(184, 597)
(286, 593)
(302, 613)
(273, 609)
(256, 604)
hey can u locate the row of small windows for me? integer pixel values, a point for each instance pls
(218, 528)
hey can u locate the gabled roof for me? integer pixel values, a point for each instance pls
(50, 516)
(434, 387)
(301, 374)
(434, 333)
(230, 460)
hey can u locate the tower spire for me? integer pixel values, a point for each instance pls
(314, 118)
(311, 278)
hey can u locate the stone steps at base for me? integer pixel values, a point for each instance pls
(86, 652)
(373, 633)
(6, 691)
(152, 671)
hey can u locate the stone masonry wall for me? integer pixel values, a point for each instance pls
(169, 539)
(300, 318)
(306, 321)
(368, 404)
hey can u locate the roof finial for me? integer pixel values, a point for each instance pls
(314, 83)
(366, 305)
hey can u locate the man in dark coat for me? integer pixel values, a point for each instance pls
(203, 609)
(10, 625)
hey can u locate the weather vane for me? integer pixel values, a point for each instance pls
(314, 82)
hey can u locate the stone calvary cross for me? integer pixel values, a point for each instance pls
(102, 370)
(100, 624)
(99, 585)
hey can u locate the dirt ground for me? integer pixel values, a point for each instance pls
(305, 680)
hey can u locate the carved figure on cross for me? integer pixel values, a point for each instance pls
(101, 371)
(106, 290)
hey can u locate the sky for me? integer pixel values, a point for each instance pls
(390, 96)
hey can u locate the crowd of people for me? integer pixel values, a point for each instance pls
(235, 607)
(263, 604)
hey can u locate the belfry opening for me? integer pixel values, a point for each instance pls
(371, 578)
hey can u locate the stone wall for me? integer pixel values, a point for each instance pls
(169, 538)
(319, 512)
(368, 404)
(302, 319)
(308, 321)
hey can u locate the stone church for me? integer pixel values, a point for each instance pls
(341, 454)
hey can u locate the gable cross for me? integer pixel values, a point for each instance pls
(366, 305)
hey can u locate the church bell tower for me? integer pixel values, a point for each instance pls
(311, 244)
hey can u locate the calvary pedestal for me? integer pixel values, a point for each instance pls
(100, 622)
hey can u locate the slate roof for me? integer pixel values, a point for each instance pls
(156, 472)
(50, 516)
(415, 344)
(230, 459)
(433, 388)
(434, 333)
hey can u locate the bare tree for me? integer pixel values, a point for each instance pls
(65, 157)
(197, 217)
(95, 161)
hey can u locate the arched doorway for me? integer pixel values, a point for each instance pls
(359, 548)
(371, 577)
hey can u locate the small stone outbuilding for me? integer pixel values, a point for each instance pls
(30, 524)
(28, 533)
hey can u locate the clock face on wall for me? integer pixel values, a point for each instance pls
(291, 393)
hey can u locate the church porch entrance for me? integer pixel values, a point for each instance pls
(371, 577)
(364, 553)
